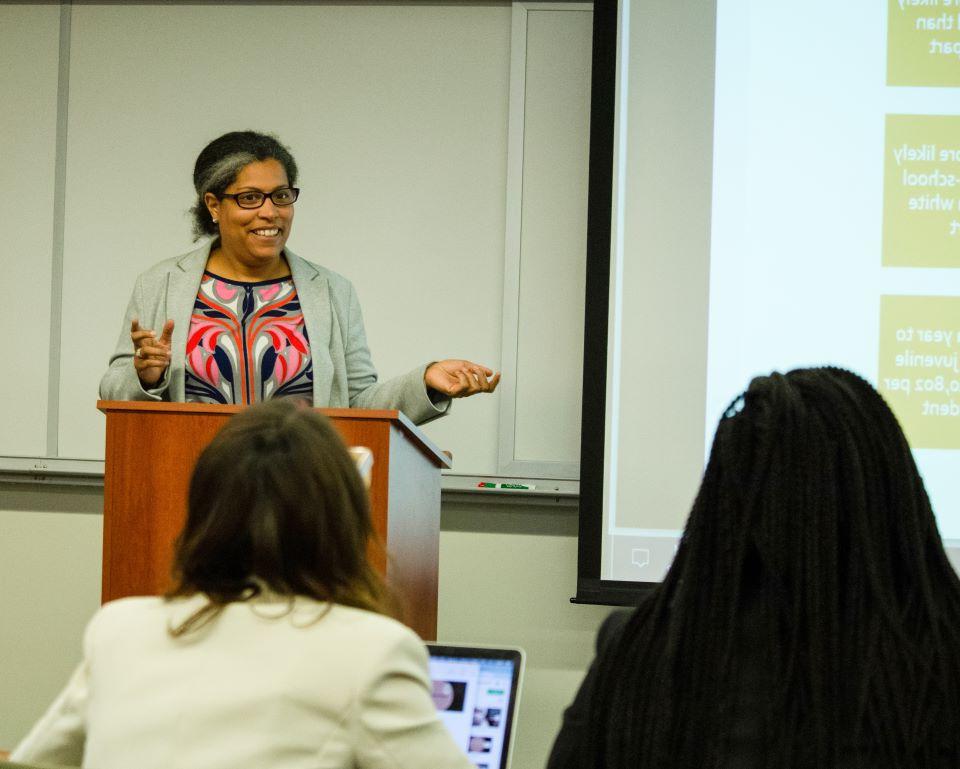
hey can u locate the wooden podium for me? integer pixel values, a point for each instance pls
(153, 446)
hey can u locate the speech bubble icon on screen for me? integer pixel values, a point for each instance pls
(640, 557)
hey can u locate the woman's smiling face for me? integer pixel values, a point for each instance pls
(254, 237)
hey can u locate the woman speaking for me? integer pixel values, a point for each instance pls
(243, 319)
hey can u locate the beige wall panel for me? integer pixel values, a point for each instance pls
(397, 116)
(553, 237)
(50, 573)
(29, 56)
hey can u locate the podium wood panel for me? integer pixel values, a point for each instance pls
(151, 448)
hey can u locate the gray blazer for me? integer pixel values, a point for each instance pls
(343, 374)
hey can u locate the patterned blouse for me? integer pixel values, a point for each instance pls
(247, 342)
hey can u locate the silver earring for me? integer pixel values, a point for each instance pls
(216, 221)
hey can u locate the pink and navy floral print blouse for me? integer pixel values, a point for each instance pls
(247, 342)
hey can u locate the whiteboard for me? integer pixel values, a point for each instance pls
(398, 117)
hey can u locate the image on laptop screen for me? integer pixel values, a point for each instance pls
(476, 692)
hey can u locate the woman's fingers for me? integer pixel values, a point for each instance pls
(148, 347)
(145, 342)
(151, 365)
(483, 378)
(151, 356)
(461, 378)
(480, 377)
(152, 352)
(465, 383)
(166, 336)
(155, 364)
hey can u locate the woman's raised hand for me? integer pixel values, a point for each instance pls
(460, 378)
(151, 356)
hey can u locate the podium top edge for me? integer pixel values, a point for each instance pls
(215, 409)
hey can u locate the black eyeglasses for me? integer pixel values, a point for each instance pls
(285, 196)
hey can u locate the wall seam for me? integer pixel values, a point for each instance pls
(59, 217)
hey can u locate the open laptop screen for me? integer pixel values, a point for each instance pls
(476, 692)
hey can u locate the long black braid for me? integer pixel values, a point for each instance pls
(810, 618)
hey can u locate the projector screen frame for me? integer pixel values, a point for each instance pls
(591, 589)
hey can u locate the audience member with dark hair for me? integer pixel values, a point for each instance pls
(273, 648)
(243, 319)
(810, 618)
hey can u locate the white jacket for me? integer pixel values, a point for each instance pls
(261, 687)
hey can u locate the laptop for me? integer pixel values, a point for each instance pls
(476, 690)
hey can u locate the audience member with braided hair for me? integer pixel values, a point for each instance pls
(810, 618)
